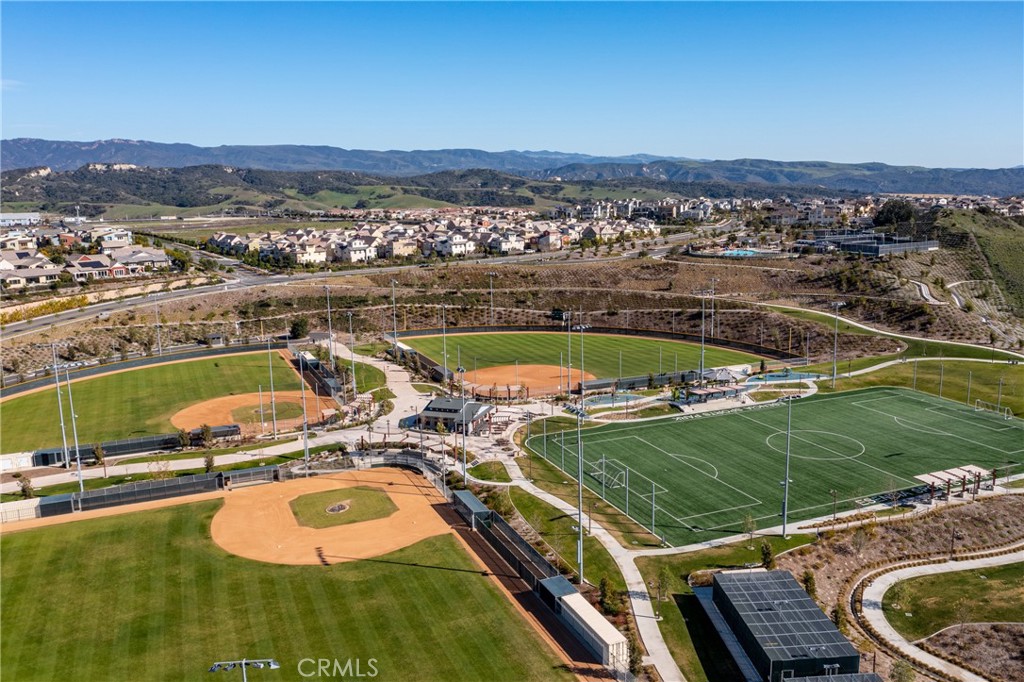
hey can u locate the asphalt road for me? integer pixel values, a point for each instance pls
(246, 279)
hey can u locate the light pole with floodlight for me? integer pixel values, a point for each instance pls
(835, 341)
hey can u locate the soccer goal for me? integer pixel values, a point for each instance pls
(999, 410)
(607, 471)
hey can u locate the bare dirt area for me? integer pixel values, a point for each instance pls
(219, 411)
(257, 522)
(537, 378)
(842, 553)
(997, 649)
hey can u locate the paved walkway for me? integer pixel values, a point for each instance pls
(658, 653)
(873, 607)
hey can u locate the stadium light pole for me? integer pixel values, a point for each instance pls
(999, 398)
(835, 341)
(968, 403)
(263, 421)
(579, 481)
(583, 366)
(394, 319)
(74, 430)
(567, 316)
(352, 356)
(60, 407)
(462, 385)
(330, 332)
(785, 482)
(273, 401)
(700, 379)
(444, 346)
(305, 422)
(714, 281)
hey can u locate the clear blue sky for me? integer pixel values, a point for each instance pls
(932, 84)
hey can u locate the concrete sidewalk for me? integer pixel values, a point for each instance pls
(658, 653)
(873, 607)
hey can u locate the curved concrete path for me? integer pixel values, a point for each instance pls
(658, 653)
(872, 607)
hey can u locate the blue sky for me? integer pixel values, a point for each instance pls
(932, 84)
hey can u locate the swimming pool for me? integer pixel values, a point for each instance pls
(739, 253)
(783, 376)
(611, 399)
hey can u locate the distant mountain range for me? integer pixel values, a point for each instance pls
(871, 178)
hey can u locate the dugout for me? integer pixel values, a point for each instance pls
(780, 629)
(472, 510)
(589, 626)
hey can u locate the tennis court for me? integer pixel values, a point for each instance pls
(696, 478)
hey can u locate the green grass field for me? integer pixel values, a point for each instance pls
(135, 403)
(992, 595)
(364, 504)
(640, 356)
(706, 474)
(161, 601)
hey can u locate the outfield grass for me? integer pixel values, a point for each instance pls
(135, 403)
(695, 646)
(699, 477)
(364, 504)
(992, 595)
(162, 601)
(640, 356)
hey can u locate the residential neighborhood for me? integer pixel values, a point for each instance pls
(80, 254)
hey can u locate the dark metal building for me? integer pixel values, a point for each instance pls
(773, 627)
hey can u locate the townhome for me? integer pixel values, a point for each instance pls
(84, 267)
(140, 259)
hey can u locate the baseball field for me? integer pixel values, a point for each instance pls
(137, 402)
(696, 478)
(604, 355)
(163, 600)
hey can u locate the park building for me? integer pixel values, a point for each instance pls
(455, 414)
(775, 631)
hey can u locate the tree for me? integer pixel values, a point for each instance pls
(962, 612)
(205, 435)
(859, 540)
(208, 462)
(839, 616)
(749, 527)
(894, 212)
(636, 657)
(97, 452)
(809, 585)
(25, 486)
(898, 592)
(767, 555)
(902, 671)
(184, 440)
(299, 328)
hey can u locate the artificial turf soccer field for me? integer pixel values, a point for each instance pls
(148, 595)
(137, 402)
(640, 356)
(709, 472)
